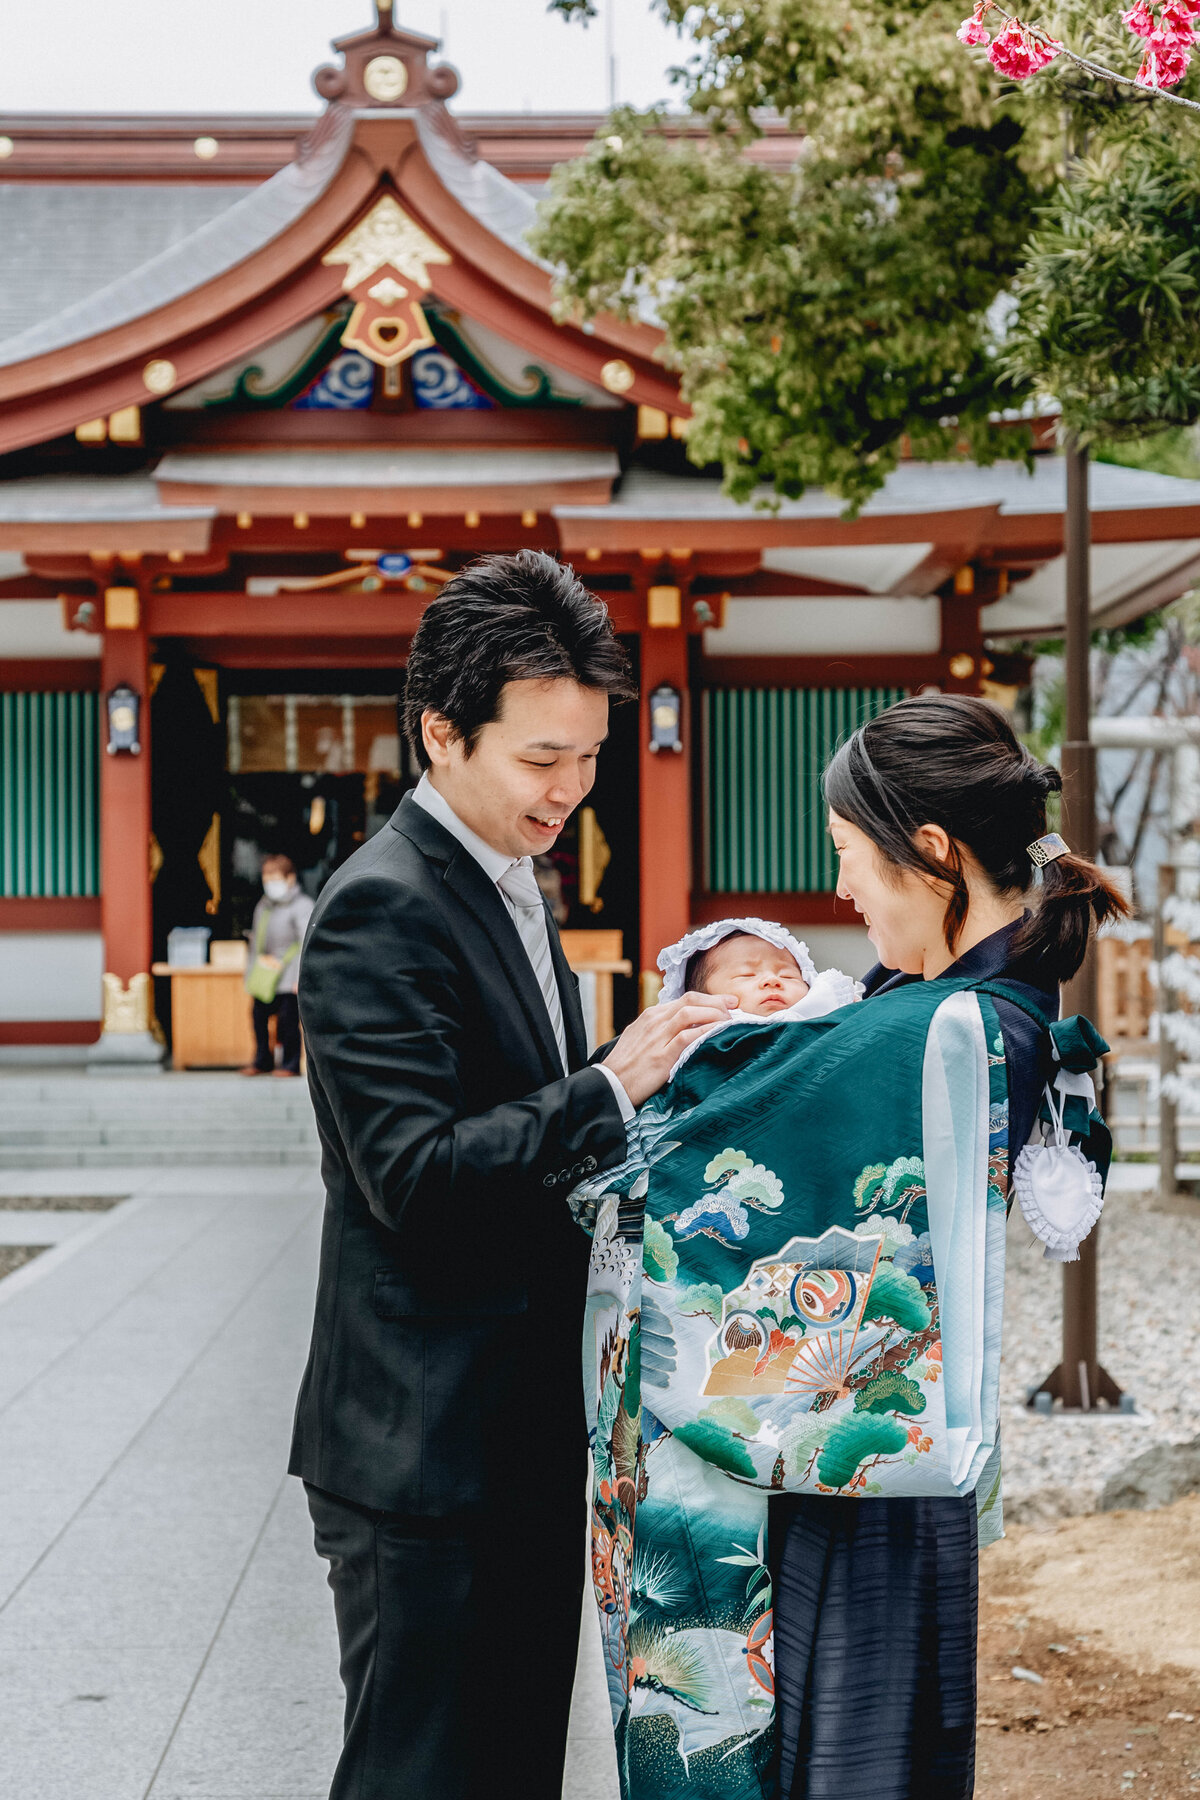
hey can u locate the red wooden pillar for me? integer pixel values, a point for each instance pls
(666, 810)
(125, 891)
(962, 636)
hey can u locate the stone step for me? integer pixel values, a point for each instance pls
(83, 1121)
(54, 1117)
(106, 1156)
(144, 1135)
(201, 1088)
(266, 1091)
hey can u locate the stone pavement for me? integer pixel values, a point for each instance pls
(165, 1629)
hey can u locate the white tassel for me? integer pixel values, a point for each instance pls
(1059, 1190)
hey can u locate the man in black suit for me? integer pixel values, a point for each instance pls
(439, 1428)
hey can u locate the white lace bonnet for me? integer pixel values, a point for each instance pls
(673, 961)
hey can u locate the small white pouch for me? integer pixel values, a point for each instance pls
(1059, 1190)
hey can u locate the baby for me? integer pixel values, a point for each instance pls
(770, 973)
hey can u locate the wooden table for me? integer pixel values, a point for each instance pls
(598, 953)
(210, 1017)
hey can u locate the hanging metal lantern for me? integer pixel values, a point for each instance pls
(666, 711)
(124, 708)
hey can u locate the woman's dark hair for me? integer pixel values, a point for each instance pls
(507, 618)
(954, 761)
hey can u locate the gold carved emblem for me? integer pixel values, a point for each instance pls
(594, 858)
(385, 79)
(128, 1009)
(209, 858)
(617, 376)
(159, 375)
(392, 253)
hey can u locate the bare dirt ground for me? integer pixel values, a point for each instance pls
(1106, 1609)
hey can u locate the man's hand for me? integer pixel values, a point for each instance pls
(646, 1051)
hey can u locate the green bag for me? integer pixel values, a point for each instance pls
(262, 983)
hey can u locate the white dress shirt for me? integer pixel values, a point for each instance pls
(494, 864)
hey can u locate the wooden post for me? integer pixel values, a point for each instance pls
(127, 1034)
(1168, 1055)
(1079, 1381)
(666, 817)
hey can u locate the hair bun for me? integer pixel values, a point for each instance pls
(1045, 778)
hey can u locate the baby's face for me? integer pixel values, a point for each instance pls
(765, 978)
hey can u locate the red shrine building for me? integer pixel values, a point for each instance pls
(265, 384)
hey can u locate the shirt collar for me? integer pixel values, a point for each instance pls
(494, 863)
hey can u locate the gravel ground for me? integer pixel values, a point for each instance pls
(60, 1202)
(1149, 1343)
(15, 1256)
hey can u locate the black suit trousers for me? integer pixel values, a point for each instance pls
(458, 1643)
(440, 1428)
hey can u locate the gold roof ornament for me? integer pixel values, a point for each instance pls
(386, 238)
(617, 376)
(386, 66)
(387, 250)
(385, 79)
(159, 375)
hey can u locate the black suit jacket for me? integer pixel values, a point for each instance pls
(452, 1276)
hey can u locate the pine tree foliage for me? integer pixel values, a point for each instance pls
(921, 270)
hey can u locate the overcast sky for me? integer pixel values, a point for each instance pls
(258, 55)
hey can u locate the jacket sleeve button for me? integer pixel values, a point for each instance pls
(550, 1181)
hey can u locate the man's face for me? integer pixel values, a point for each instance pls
(530, 768)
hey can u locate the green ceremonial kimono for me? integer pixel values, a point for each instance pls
(796, 1285)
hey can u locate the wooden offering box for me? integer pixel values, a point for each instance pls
(210, 1015)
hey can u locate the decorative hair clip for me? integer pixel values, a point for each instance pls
(1047, 849)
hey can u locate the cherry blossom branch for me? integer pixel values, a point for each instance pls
(1019, 51)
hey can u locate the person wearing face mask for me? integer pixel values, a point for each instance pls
(272, 977)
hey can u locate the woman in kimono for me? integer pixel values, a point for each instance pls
(795, 1296)
(933, 808)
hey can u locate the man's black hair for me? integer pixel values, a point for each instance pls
(507, 618)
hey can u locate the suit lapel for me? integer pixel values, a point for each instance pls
(464, 877)
(482, 899)
(569, 995)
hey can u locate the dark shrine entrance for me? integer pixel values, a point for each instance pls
(312, 763)
(315, 765)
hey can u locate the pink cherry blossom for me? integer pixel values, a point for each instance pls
(1139, 19)
(1165, 62)
(1177, 22)
(1018, 52)
(973, 30)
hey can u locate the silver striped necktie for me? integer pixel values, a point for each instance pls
(519, 884)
